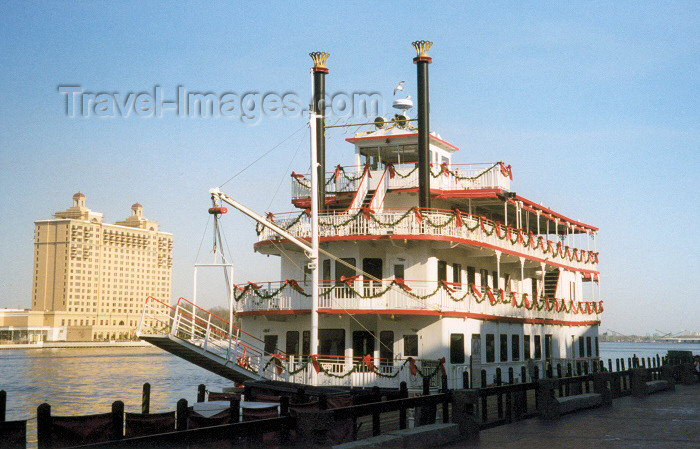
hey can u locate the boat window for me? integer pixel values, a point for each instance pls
(476, 347)
(326, 269)
(534, 287)
(442, 271)
(386, 348)
(373, 267)
(515, 348)
(483, 277)
(526, 347)
(292, 342)
(456, 348)
(588, 346)
(494, 280)
(362, 345)
(490, 348)
(399, 271)
(343, 270)
(504, 348)
(597, 354)
(548, 346)
(581, 347)
(331, 342)
(538, 347)
(410, 345)
(306, 343)
(471, 275)
(270, 344)
(457, 276)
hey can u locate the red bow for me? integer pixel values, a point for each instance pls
(338, 169)
(442, 366)
(400, 282)
(367, 212)
(297, 175)
(349, 280)
(492, 297)
(446, 286)
(367, 360)
(445, 170)
(526, 303)
(270, 217)
(506, 170)
(278, 363)
(498, 229)
(392, 170)
(315, 364)
(294, 284)
(254, 285)
(476, 291)
(417, 214)
(458, 218)
(412, 366)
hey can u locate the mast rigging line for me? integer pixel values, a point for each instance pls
(264, 154)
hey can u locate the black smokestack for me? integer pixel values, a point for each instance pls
(422, 61)
(319, 106)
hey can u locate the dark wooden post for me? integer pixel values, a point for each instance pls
(523, 374)
(427, 412)
(3, 405)
(569, 370)
(465, 380)
(403, 393)
(146, 398)
(617, 365)
(444, 383)
(643, 363)
(622, 363)
(376, 416)
(235, 410)
(610, 365)
(181, 423)
(550, 371)
(201, 392)
(284, 411)
(559, 374)
(118, 419)
(536, 374)
(629, 362)
(658, 360)
(43, 426)
(499, 382)
(483, 378)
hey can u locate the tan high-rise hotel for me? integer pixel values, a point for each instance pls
(92, 278)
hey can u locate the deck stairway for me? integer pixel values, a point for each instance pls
(204, 339)
(551, 280)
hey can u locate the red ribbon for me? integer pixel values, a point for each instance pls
(338, 169)
(445, 170)
(446, 286)
(458, 218)
(254, 285)
(417, 214)
(270, 217)
(526, 303)
(442, 366)
(400, 282)
(492, 297)
(278, 363)
(297, 175)
(509, 232)
(294, 284)
(600, 307)
(498, 229)
(367, 212)
(315, 364)
(506, 170)
(367, 360)
(476, 291)
(349, 280)
(367, 169)
(412, 366)
(532, 240)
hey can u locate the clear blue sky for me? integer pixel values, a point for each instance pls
(595, 104)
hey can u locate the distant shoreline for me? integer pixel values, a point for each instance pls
(77, 344)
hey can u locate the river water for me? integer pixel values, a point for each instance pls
(85, 381)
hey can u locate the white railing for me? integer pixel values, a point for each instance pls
(426, 296)
(452, 177)
(360, 194)
(436, 223)
(377, 202)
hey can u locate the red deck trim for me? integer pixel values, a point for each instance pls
(415, 312)
(438, 238)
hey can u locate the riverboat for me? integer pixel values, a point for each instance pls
(402, 267)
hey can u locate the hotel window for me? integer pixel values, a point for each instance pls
(504, 348)
(457, 348)
(410, 345)
(490, 348)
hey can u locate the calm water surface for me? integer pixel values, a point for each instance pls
(86, 381)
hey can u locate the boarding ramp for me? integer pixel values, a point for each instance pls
(204, 339)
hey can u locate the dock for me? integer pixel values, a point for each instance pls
(662, 420)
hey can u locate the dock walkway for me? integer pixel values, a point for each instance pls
(662, 420)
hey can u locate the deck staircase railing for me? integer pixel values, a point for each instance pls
(207, 332)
